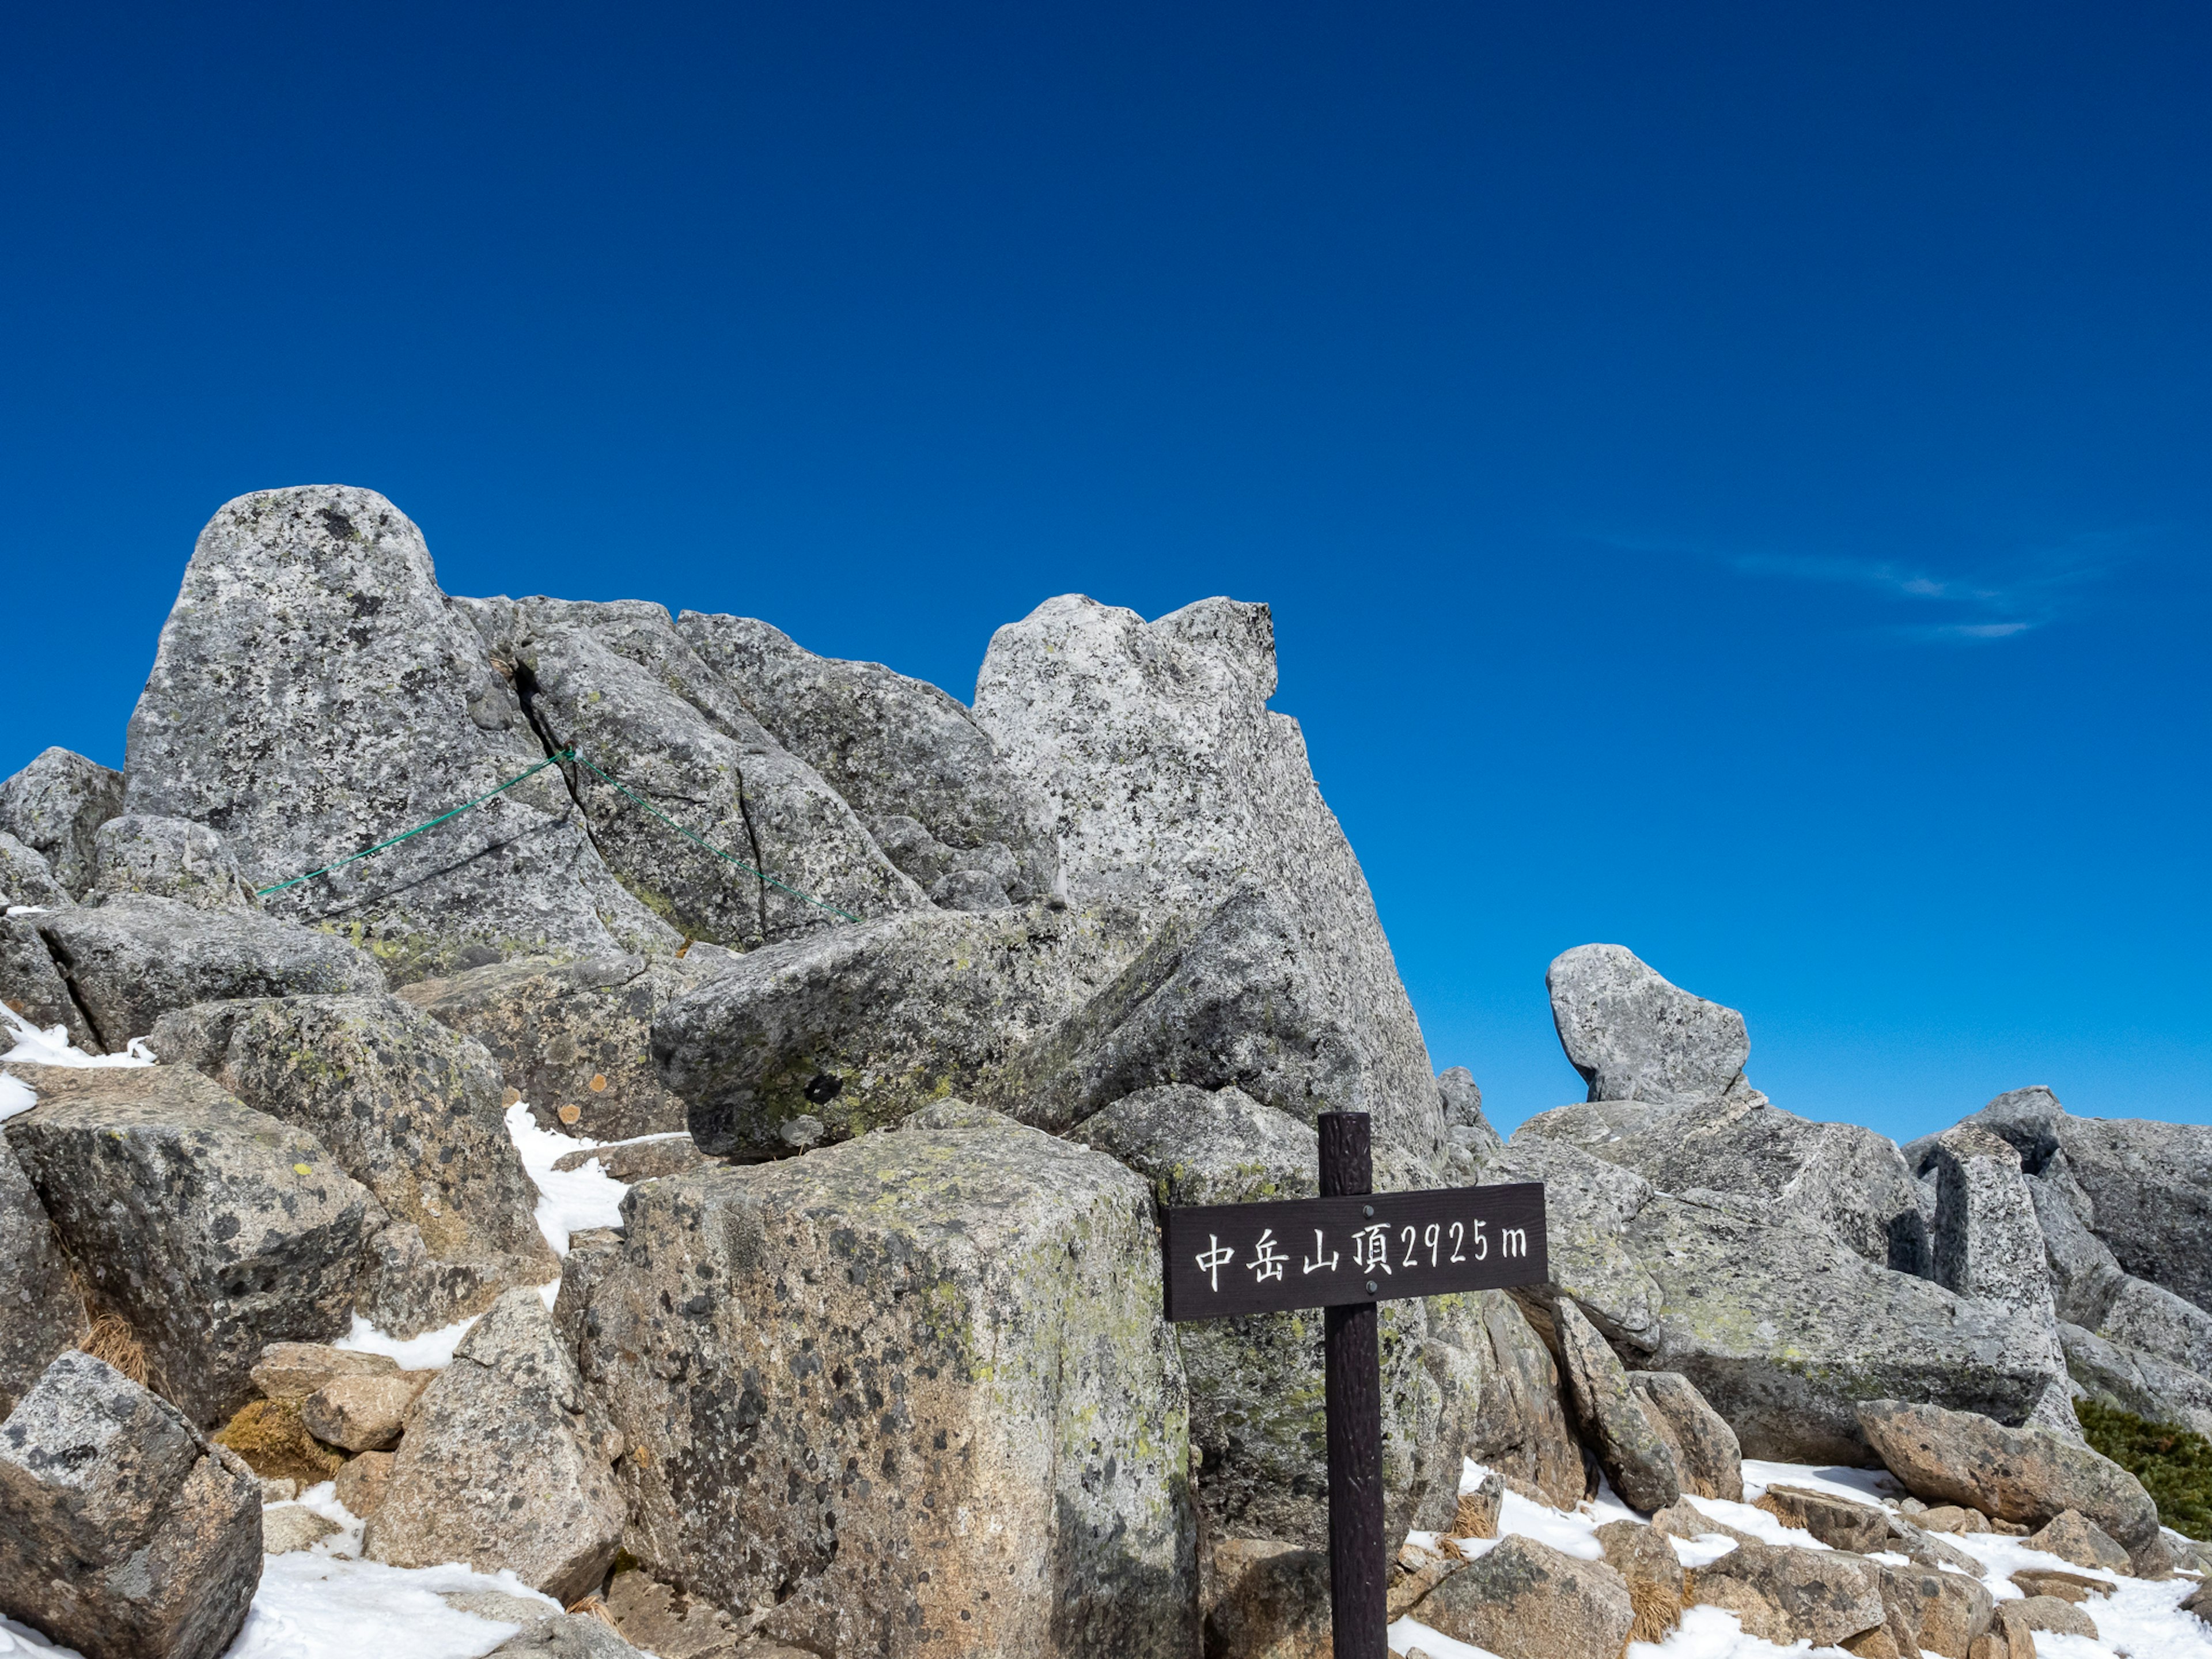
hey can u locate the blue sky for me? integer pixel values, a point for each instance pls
(1731, 480)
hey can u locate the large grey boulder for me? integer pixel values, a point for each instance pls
(2084, 1275)
(210, 1228)
(1256, 1415)
(572, 1636)
(1635, 1036)
(170, 858)
(1988, 1243)
(42, 1311)
(55, 806)
(2144, 1188)
(1838, 1176)
(31, 985)
(914, 1390)
(929, 783)
(1082, 699)
(1500, 1402)
(2150, 1387)
(503, 1465)
(135, 958)
(314, 693)
(829, 1037)
(1785, 1595)
(617, 683)
(26, 879)
(2028, 1476)
(1708, 1457)
(410, 1109)
(2152, 1320)
(1783, 1329)
(1636, 1456)
(574, 1039)
(1524, 1600)
(124, 1534)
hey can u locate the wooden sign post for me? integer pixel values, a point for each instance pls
(1344, 1252)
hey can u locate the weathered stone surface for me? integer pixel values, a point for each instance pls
(363, 1482)
(501, 1466)
(1610, 1417)
(411, 1110)
(566, 1636)
(276, 1445)
(2029, 1475)
(897, 748)
(500, 1606)
(2072, 1536)
(616, 682)
(168, 857)
(277, 1492)
(1948, 1612)
(362, 1414)
(2064, 1586)
(33, 986)
(857, 1027)
(1527, 1600)
(1988, 1243)
(1235, 998)
(2142, 1187)
(2142, 1383)
(1782, 1328)
(313, 692)
(211, 1228)
(293, 1370)
(1789, 1169)
(2084, 1276)
(2051, 1613)
(639, 1160)
(666, 1622)
(1267, 1598)
(1643, 1557)
(26, 877)
(41, 1312)
(1634, 1036)
(1708, 1458)
(1787, 1594)
(2152, 1320)
(55, 806)
(288, 1527)
(1078, 694)
(123, 1532)
(1257, 1410)
(137, 957)
(575, 1035)
(831, 1370)
(1836, 1522)
(1500, 1404)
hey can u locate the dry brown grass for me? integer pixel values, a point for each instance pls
(1472, 1518)
(593, 1607)
(1658, 1610)
(276, 1445)
(114, 1341)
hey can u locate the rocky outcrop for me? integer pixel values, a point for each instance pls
(410, 1109)
(211, 1228)
(168, 857)
(616, 682)
(294, 1370)
(2072, 1536)
(26, 879)
(2026, 1476)
(1634, 1036)
(313, 692)
(1988, 1243)
(362, 1414)
(1078, 693)
(1635, 1455)
(42, 1311)
(502, 1466)
(823, 1038)
(1527, 1600)
(124, 1534)
(137, 957)
(33, 986)
(2135, 1381)
(1708, 1458)
(55, 806)
(931, 786)
(572, 1636)
(1256, 1415)
(1785, 1595)
(1267, 1598)
(572, 1039)
(1499, 1402)
(877, 1384)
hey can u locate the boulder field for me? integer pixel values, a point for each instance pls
(908, 1035)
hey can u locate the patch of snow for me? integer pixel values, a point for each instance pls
(1702, 1550)
(1875, 1487)
(433, 1350)
(321, 1604)
(52, 1046)
(1758, 1522)
(28, 911)
(16, 1095)
(22, 1638)
(1409, 1633)
(569, 1200)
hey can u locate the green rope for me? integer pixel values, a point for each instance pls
(564, 755)
(639, 801)
(404, 835)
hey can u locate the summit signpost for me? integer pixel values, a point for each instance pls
(1345, 1252)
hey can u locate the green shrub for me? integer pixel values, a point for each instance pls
(2174, 1465)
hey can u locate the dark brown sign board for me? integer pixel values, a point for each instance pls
(1224, 1259)
(1345, 1252)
